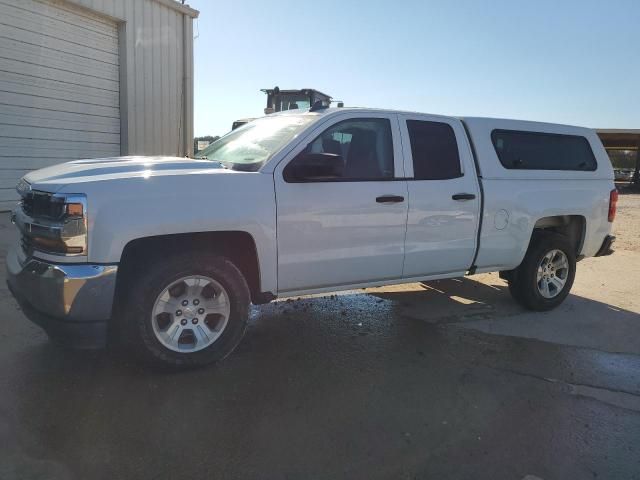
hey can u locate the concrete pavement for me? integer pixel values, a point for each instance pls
(448, 380)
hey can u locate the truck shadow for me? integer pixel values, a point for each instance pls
(489, 307)
(451, 300)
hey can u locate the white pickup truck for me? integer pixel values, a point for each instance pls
(170, 252)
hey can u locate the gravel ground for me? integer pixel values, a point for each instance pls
(627, 224)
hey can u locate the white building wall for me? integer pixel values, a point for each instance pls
(92, 78)
(59, 88)
(156, 74)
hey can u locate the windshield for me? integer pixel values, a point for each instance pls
(248, 147)
(291, 102)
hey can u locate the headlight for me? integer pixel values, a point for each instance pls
(53, 223)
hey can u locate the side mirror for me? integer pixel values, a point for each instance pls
(316, 167)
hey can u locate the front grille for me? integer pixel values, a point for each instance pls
(45, 226)
(27, 206)
(42, 205)
(26, 244)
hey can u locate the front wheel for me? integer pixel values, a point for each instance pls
(188, 310)
(545, 277)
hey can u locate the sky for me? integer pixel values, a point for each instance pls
(564, 61)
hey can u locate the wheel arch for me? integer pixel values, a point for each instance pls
(238, 246)
(572, 226)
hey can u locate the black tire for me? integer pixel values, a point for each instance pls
(148, 284)
(524, 284)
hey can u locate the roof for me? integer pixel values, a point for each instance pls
(619, 138)
(477, 120)
(624, 139)
(296, 90)
(328, 110)
(181, 7)
(619, 131)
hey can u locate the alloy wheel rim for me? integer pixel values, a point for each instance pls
(552, 274)
(190, 314)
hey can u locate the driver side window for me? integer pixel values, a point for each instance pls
(351, 150)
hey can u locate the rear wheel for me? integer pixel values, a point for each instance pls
(545, 277)
(187, 311)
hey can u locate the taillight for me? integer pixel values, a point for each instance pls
(613, 204)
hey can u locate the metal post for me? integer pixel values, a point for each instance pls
(636, 174)
(187, 87)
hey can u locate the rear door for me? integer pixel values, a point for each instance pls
(444, 196)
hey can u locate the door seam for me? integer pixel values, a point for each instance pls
(406, 186)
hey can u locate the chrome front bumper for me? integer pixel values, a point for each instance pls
(67, 300)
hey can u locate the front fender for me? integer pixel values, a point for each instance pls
(125, 210)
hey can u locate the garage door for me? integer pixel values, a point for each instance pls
(59, 88)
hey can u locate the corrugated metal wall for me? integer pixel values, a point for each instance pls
(153, 57)
(59, 88)
(92, 78)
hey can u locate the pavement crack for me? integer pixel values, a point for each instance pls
(612, 396)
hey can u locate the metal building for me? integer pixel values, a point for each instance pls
(623, 139)
(92, 78)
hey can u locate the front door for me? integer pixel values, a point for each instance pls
(342, 221)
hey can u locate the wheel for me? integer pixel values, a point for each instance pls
(545, 276)
(187, 311)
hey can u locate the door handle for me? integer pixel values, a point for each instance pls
(463, 196)
(390, 199)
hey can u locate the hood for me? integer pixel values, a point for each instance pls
(53, 178)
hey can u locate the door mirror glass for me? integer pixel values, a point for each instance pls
(314, 167)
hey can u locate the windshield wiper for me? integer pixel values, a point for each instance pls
(246, 167)
(217, 161)
(238, 167)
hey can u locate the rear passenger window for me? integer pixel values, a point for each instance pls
(434, 150)
(543, 151)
